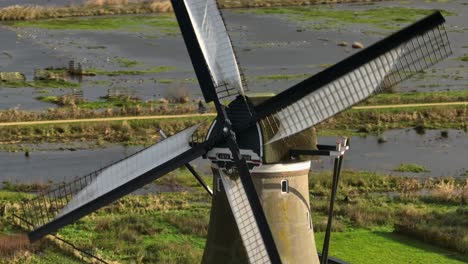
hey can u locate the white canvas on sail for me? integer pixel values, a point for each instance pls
(215, 43)
(335, 97)
(128, 169)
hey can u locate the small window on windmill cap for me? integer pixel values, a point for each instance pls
(284, 186)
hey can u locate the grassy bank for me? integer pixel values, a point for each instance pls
(379, 219)
(70, 108)
(376, 121)
(351, 122)
(123, 105)
(40, 84)
(180, 103)
(93, 8)
(414, 168)
(135, 132)
(152, 70)
(417, 97)
(166, 23)
(389, 18)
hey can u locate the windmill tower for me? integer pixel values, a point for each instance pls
(259, 148)
(283, 189)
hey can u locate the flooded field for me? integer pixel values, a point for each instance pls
(275, 50)
(146, 56)
(441, 156)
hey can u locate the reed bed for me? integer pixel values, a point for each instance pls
(120, 7)
(12, 244)
(273, 3)
(62, 113)
(92, 8)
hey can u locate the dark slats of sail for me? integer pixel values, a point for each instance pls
(59, 207)
(379, 67)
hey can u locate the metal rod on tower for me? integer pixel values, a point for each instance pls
(338, 161)
(192, 170)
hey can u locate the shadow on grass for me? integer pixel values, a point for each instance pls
(424, 246)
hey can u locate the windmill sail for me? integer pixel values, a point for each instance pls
(210, 47)
(128, 169)
(55, 209)
(383, 65)
(245, 219)
(217, 71)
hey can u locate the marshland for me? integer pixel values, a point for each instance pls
(404, 193)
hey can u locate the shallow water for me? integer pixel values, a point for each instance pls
(442, 156)
(266, 45)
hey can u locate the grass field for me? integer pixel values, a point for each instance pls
(382, 245)
(172, 227)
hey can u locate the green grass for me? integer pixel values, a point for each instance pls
(417, 97)
(382, 246)
(112, 103)
(49, 255)
(163, 22)
(107, 103)
(172, 232)
(40, 84)
(352, 122)
(414, 168)
(172, 227)
(153, 70)
(96, 47)
(165, 81)
(283, 77)
(464, 58)
(182, 178)
(169, 81)
(13, 196)
(133, 132)
(53, 99)
(321, 17)
(376, 121)
(126, 62)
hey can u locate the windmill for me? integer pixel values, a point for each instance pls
(249, 185)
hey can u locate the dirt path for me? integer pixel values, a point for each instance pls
(46, 122)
